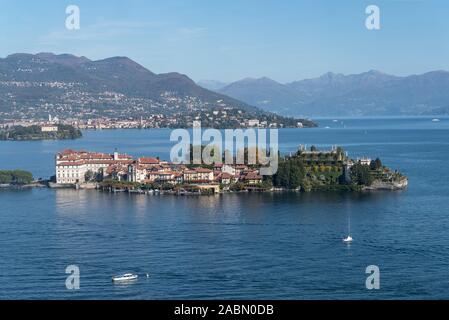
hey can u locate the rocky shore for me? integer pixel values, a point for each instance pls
(36, 184)
(387, 186)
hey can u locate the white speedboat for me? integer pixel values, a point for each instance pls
(125, 277)
(348, 239)
(435, 120)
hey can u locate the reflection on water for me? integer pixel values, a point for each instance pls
(125, 284)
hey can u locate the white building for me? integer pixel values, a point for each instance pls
(253, 123)
(198, 175)
(49, 128)
(364, 161)
(137, 173)
(72, 166)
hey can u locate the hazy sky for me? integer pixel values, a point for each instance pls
(227, 40)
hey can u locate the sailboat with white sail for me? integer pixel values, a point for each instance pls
(349, 238)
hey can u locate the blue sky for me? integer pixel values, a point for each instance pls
(228, 40)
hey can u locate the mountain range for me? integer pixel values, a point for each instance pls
(371, 93)
(36, 85)
(117, 74)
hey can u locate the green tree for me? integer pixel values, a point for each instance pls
(290, 173)
(16, 177)
(238, 186)
(5, 177)
(296, 176)
(376, 164)
(361, 175)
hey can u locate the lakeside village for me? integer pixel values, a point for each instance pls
(307, 170)
(55, 129)
(226, 118)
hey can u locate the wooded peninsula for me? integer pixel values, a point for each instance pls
(35, 132)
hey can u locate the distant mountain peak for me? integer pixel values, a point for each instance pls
(176, 76)
(54, 55)
(266, 79)
(122, 67)
(16, 56)
(120, 60)
(335, 94)
(330, 76)
(212, 84)
(64, 58)
(262, 80)
(374, 71)
(436, 72)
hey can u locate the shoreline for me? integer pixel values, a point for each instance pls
(403, 185)
(36, 185)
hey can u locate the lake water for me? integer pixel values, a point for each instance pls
(258, 246)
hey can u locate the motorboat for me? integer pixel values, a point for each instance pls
(125, 277)
(435, 120)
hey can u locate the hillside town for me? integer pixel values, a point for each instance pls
(117, 93)
(213, 119)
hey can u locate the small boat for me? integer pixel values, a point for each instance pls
(335, 121)
(125, 277)
(435, 120)
(348, 239)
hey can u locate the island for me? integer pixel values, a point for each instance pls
(15, 178)
(306, 170)
(39, 132)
